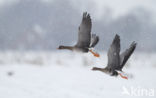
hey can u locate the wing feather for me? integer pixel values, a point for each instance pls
(126, 54)
(113, 54)
(84, 34)
(94, 40)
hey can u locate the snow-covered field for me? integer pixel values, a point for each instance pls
(69, 75)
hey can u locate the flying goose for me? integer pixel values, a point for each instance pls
(116, 61)
(86, 40)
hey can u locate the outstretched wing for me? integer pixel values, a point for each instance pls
(113, 54)
(84, 34)
(126, 54)
(94, 40)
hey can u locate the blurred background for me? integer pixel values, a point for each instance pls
(32, 67)
(45, 24)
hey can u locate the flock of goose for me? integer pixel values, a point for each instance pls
(87, 41)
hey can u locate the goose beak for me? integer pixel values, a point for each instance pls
(57, 48)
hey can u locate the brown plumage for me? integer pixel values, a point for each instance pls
(116, 61)
(86, 40)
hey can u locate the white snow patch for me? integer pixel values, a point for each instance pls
(69, 75)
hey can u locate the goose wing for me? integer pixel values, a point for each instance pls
(94, 40)
(113, 54)
(84, 34)
(126, 54)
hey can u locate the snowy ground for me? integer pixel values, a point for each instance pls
(69, 75)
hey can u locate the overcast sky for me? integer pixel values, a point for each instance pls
(36, 22)
(118, 7)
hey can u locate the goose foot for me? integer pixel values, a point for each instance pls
(95, 54)
(124, 77)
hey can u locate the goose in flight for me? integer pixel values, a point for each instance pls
(116, 61)
(86, 40)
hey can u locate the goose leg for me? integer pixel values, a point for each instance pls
(95, 54)
(124, 77)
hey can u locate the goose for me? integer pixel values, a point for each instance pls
(116, 61)
(86, 40)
